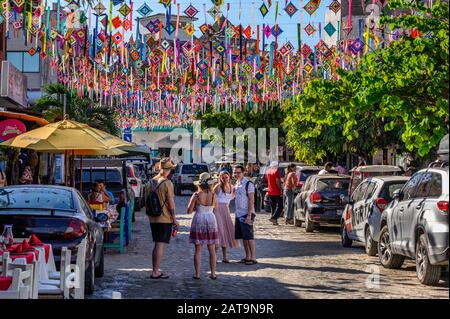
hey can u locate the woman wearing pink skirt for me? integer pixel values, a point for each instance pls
(225, 193)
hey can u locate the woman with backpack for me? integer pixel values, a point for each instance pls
(204, 230)
(225, 193)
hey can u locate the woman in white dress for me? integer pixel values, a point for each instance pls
(204, 225)
(225, 193)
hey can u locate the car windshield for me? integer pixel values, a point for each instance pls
(32, 197)
(388, 190)
(194, 169)
(304, 174)
(112, 175)
(335, 185)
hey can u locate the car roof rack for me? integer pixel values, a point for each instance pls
(438, 164)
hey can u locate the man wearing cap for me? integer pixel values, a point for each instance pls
(161, 226)
(274, 191)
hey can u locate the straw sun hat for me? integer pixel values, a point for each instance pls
(165, 163)
(205, 178)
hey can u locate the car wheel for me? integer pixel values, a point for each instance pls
(427, 273)
(100, 270)
(387, 258)
(370, 244)
(309, 226)
(89, 278)
(345, 240)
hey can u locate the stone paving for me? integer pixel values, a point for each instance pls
(291, 264)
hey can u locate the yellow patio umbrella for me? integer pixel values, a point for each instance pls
(69, 136)
(66, 135)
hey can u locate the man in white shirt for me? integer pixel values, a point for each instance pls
(326, 169)
(245, 214)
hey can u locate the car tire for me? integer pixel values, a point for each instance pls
(427, 273)
(369, 244)
(89, 278)
(309, 226)
(345, 240)
(100, 270)
(387, 258)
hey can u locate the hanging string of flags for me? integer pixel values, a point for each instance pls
(157, 72)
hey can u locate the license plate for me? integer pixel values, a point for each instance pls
(339, 212)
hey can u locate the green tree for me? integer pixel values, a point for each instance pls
(79, 109)
(397, 95)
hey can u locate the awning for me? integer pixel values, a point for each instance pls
(25, 117)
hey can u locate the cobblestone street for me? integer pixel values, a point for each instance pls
(291, 264)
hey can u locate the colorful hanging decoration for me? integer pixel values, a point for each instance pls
(264, 10)
(144, 10)
(290, 9)
(335, 6)
(330, 29)
(312, 6)
(309, 29)
(152, 81)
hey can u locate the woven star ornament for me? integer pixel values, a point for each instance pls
(312, 6)
(165, 3)
(290, 9)
(264, 10)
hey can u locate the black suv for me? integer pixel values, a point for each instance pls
(321, 201)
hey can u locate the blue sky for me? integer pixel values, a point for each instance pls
(286, 23)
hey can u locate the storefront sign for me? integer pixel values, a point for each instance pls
(11, 128)
(13, 84)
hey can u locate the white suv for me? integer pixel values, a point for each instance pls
(137, 185)
(185, 174)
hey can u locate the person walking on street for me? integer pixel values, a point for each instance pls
(327, 169)
(290, 182)
(225, 193)
(162, 225)
(204, 230)
(245, 214)
(274, 192)
(340, 169)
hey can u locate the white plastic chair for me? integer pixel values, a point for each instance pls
(57, 287)
(21, 282)
(8, 267)
(78, 290)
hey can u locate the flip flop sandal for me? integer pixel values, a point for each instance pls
(242, 261)
(161, 276)
(251, 262)
(196, 278)
(213, 278)
(225, 261)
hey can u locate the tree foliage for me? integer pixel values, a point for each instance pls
(78, 109)
(397, 94)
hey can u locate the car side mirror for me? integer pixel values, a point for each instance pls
(397, 195)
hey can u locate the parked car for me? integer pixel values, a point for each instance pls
(185, 174)
(113, 177)
(415, 225)
(360, 173)
(59, 216)
(303, 172)
(137, 183)
(361, 218)
(320, 201)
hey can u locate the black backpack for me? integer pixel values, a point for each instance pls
(246, 186)
(153, 207)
